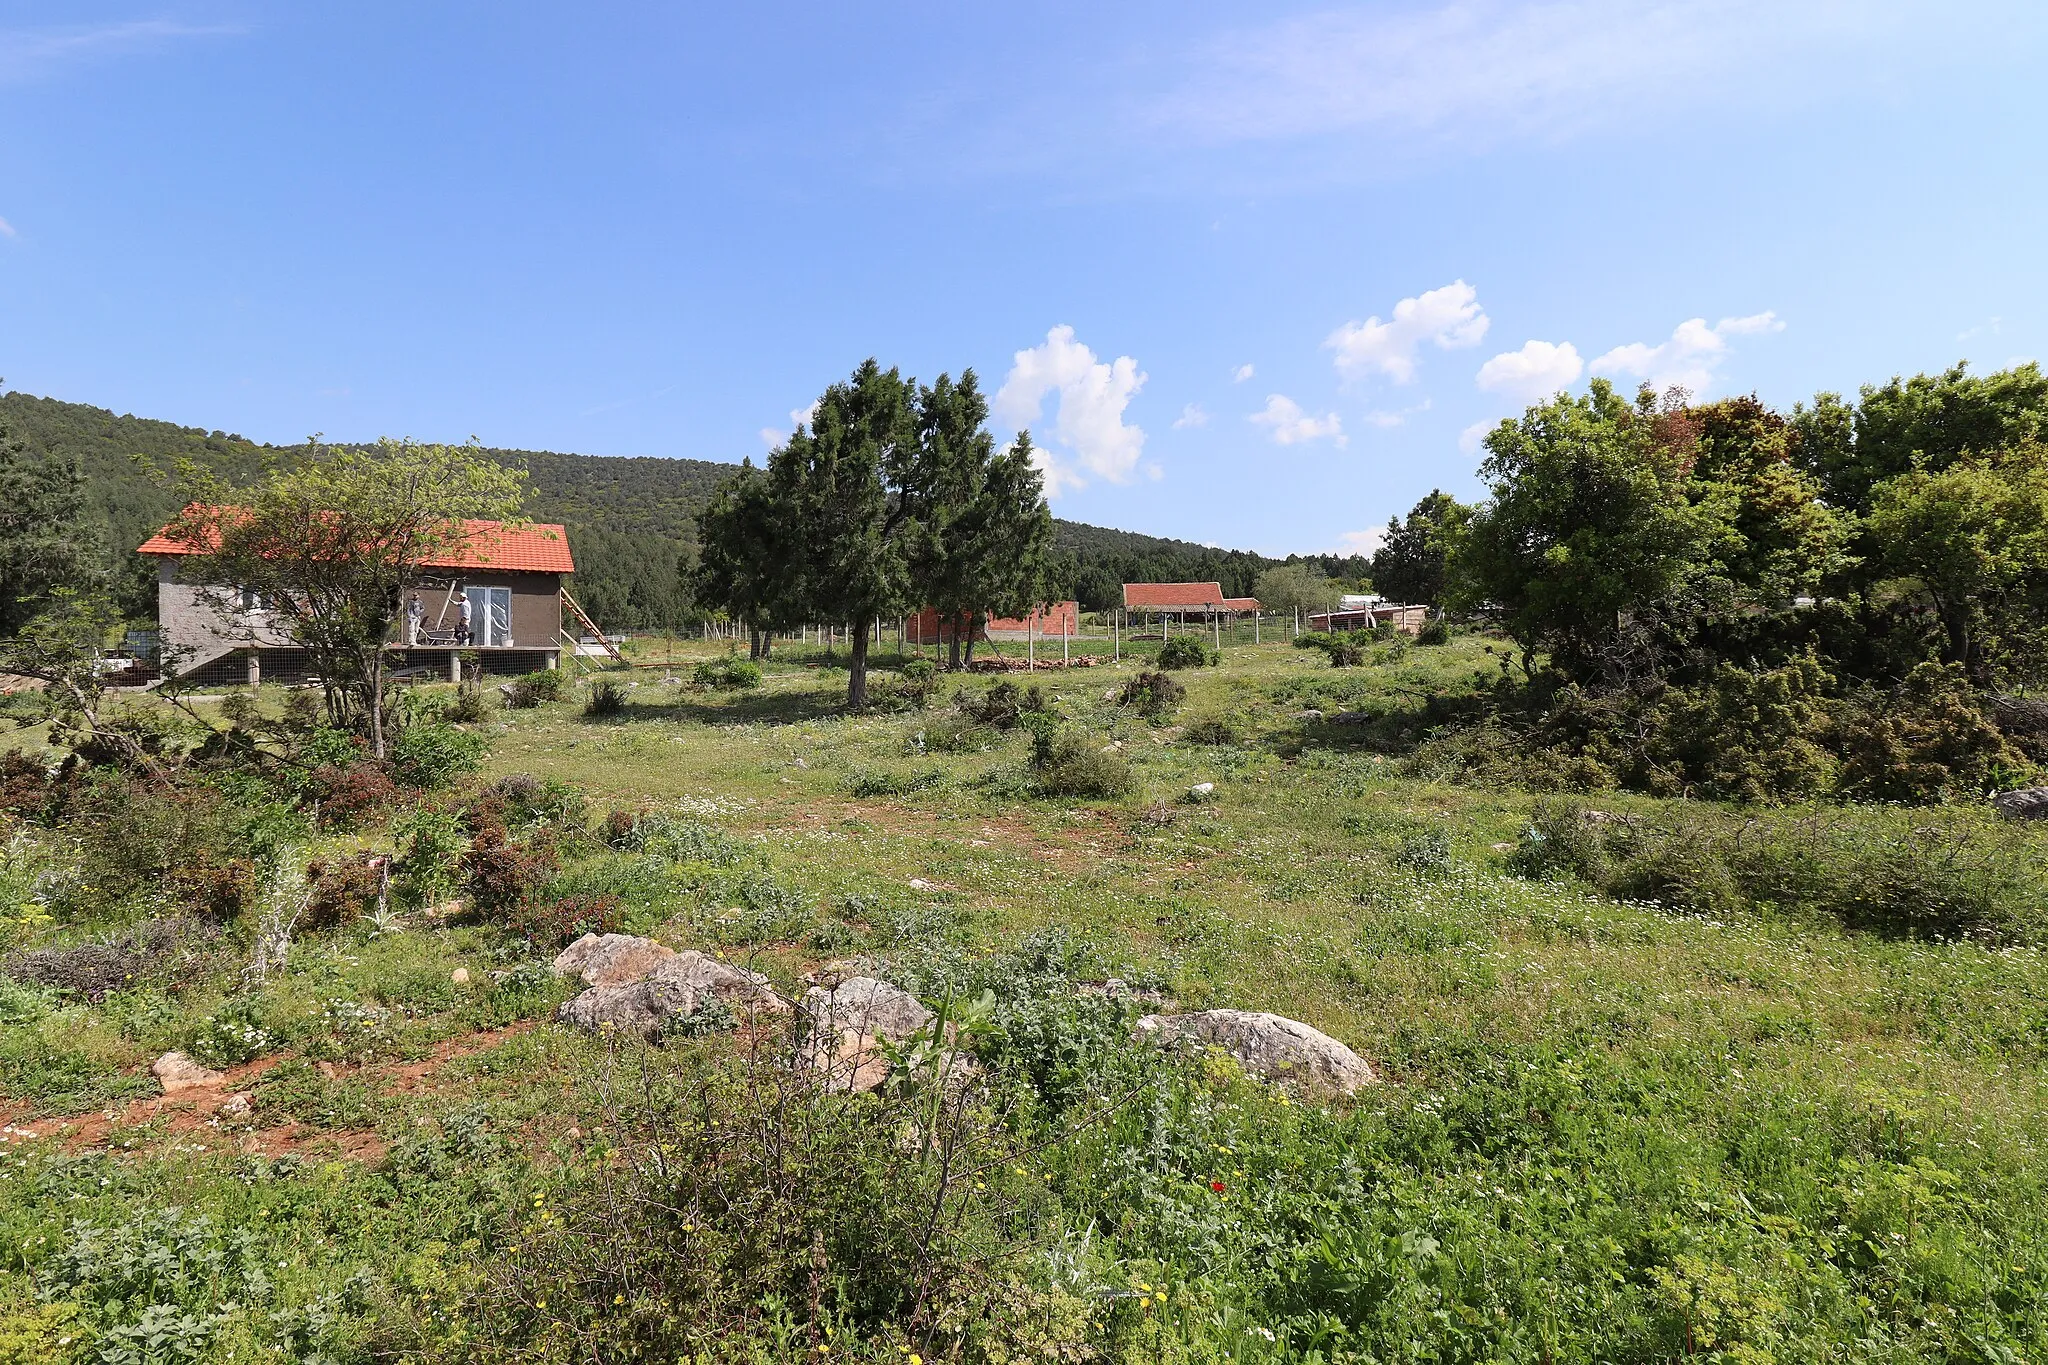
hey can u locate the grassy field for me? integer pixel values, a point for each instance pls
(1608, 1130)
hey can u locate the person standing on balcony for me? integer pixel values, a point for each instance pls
(415, 611)
(468, 637)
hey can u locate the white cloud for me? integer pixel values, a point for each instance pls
(27, 53)
(1361, 542)
(1193, 415)
(1241, 373)
(7, 228)
(1482, 71)
(1448, 317)
(1291, 426)
(1089, 421)
(1474, 436)
(1533, 373)
(772, 437)
(1690, 358)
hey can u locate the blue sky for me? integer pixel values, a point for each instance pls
(1252, 275)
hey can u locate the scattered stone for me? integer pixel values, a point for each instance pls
(611, 959)
(1352, 718)
(2029, 803)
(920, 884)
(460, 976)
(1269, 1046)
(1202, 791)
(840, 969)
(1312, 714)
(176, 1071)
(1503, 848)
(238, 1107)
(680, 983)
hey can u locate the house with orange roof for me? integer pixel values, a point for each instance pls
(509, 575)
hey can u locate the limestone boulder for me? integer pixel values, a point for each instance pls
(611, 959)
(1269, 1046)
(848, 1022)
(176, 1071)
(678, 984)
(2029, 803)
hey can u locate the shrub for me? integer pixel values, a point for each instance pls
(1152, 694)
(1075, 764)
(531, 689)
(432, 755)
(1924, 740)
(951, 734)
(1427, 852)
(1002, 705)
(1210, 730)
(342, 890)
(1435, 631)
(606, 698)
(1187, 651)
(523, 799)
(1755, 735)
(557, 923)
(350, 797)
(885, 783)
(500, 875)
(154, 950)
(430, 843)
(467, 706)
(728, 674)
(1313, 639)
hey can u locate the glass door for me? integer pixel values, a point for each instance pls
(490, 616)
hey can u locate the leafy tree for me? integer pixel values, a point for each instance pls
(1296, 587)
(45, 541)
(1589, 544)
(839, 494)
(1927, 422)
(1972, 540)
(326, 548)
(61, 647)
(1411, 564)
(983, 529)
(1783, 540)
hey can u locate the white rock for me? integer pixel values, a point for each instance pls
(1202, 790)
(460, 976)
(920, 884)
(176, 1071)
(681, 983)
(611, 959)
(1268, 1046)
(238, 1107)
(847, 1023)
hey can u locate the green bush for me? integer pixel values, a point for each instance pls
(1187, 651)
(607, 698)
(1073, 763)
(1152, 694)
(467, 706)
(427, 755)
(1002, 705)
(1435, 631)
(728, 674)
(1925, 740)
(232, 1035)
(1210, 730)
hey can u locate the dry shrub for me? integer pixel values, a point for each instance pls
(559, 923)
(344, 889)
(154, 950)
(1152, 694)
(500, 875)
(349, 796)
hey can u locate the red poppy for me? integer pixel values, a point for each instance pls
(1217, 1186)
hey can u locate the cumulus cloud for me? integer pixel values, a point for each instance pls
(1088, 423)
(1291, 426)
(772, 437)
(1449, 317)
(1241, 373)
(1533, 373)
(1692, 355)
(1193, 415)
(1474, 436)
(1361, 542)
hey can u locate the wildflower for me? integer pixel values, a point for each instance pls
(1218, 1186)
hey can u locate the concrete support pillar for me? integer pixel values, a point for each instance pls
(455, 665)
(255, 668)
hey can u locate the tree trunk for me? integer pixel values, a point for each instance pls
(857, 668)
(375, 671)
(753, 643)
(953, 657)
(970, 639)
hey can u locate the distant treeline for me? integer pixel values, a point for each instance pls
(631, 520)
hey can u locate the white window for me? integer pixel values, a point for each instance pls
(490, 616)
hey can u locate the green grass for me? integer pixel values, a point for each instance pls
(1609, 1130)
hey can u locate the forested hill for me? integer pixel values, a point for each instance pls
(630, 519)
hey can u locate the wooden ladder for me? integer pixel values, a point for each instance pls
(591, 626)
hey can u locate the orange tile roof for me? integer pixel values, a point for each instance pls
(537, 547)
(1173, 596)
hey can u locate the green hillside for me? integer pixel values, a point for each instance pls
(630, 519)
